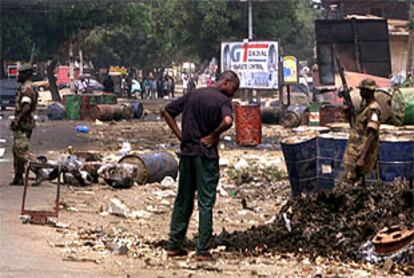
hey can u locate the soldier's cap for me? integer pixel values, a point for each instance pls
(25, 67)
(368, 83)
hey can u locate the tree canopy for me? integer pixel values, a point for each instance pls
(148, 34)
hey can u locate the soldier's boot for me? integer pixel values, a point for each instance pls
(17, 181)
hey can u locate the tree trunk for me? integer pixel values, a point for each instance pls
(52, 80)
(2, 71)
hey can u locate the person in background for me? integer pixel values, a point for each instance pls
(205, 116)
(172, 87)
(166, 86)
(154, 87)
(191, 85)
(185, 85)
(108, 84)
(209, 81)
(147, 87)
(160, 87)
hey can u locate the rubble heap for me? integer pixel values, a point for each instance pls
(330, 224)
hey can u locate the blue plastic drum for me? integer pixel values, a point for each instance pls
(301, 161)
(396, 158)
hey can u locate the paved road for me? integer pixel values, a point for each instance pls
(24, 249)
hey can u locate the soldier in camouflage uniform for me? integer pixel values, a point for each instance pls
(23, 123)
(362, 149)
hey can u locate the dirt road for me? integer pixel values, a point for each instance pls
(24, 250)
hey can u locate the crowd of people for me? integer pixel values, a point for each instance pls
(149, 87)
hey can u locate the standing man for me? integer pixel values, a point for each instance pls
(361, 152)
(206, 114)
(23, 123)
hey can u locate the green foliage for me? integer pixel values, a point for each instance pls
(149, 34)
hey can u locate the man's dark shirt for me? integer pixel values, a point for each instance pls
(203, 110)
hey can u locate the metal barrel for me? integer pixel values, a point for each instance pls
(270, 115)
(329, 113)
(72, 106)
(108, 112)
(142, 172)
(300, 154)
(402, 106)
(248, 125)
(160, 165)
(295, 115)
(396, 157)
(331, 148)
(154, 166)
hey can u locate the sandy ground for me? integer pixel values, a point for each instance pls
(90, 242)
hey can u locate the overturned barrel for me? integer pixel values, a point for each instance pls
(107, 112)
(271, 115)
(295, 115)
(155, 166)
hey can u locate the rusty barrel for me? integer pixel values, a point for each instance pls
(295, 115)
(248, 125)
(108, 112)
(153, 166)
(329, 114)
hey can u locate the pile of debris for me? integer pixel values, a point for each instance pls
(331, 224)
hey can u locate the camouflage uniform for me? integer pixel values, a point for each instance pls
(368, 118)
(23, 132)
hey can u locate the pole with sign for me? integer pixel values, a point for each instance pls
(290, 74)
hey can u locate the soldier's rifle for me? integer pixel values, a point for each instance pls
(345, 93)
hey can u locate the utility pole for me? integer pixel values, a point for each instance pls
(250, 20)
(71, 68)
(80, 62)
(410, 39)
(250, 37)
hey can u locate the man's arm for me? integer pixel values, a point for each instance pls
(24, 113)
(172, 110)
(172, 123)
(373, 129)
(214, 137)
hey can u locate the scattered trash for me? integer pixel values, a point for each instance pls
(25, 219)
(139, 214)
(55, 111)
(125, 148)
(82, 129)
(119, 175)
(168, 182)
(116, 207)
(287, 222)
(98, 122)
(227, 138)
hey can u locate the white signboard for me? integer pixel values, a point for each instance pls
(255, 62)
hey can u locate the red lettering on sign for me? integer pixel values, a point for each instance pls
(247, 46)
